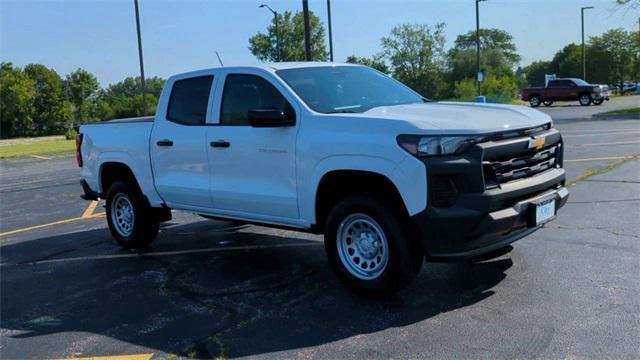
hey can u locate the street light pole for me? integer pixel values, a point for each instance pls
(330, 34)
(307, 30)
(144, 96)
(478, 45)
(584, 55)
(275, 17)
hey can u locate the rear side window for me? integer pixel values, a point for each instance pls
(243, 93)
(189, 100)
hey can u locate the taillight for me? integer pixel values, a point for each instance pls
(78, 149)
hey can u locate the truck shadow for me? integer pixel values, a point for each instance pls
(268, 291)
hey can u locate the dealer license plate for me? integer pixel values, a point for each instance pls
(545, 211)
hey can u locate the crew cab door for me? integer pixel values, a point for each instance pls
(178, 143)
(252, 169)
(562, 90)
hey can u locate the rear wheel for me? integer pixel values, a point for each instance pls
(547, 103)
(534, 101)
(130, 219)
(369, 247)
(585, 99)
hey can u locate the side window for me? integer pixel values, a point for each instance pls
(189, 100)
(243, 93)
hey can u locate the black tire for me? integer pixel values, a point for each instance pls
(404, 258)
(585, 99)
(144, 226)
(534, 101)
(598, 102)
(547, 103)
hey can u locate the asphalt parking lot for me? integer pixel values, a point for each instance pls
(209, 289)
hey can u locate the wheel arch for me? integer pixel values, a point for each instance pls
(337, 184)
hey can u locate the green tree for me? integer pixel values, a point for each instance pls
(567, 62)
(291, 32)
(377, 62)
(534, 73)
(82, 90)
(124, 98)
(417, 57)
(50, 109)
(17, 92)
(499, 54)
(614, 56)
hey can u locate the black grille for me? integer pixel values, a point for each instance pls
(519, 166)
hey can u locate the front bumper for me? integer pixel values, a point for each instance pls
(482, 218)
(603, 95)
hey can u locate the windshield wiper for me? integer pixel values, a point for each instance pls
(344, 111)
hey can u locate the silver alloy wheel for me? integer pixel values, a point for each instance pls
(362, 246)
(122, 215)
(585, 99)
(534, 101)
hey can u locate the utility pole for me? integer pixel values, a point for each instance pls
(144, 91)
(275, 20)
(584, 55)
(478, 45)
(330, 34)
(307, 30)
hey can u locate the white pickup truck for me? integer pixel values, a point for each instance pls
(388, 177)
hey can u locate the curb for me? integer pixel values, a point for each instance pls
(616, 117)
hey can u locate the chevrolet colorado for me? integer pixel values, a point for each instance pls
(388, 177)
(566, 90)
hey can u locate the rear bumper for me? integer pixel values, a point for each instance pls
(88, 194)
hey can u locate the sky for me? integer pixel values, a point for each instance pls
(183, 35)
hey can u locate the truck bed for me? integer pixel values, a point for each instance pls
(121, 140)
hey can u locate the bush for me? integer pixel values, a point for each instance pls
(71, 134)
(501, 89)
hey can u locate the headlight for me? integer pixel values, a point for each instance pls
(436, 145)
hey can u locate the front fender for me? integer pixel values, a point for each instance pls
(409, 177)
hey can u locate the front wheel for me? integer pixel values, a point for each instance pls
(547, 103)
(585, 99)
(598, 102)
(129, 216)
(369, 246)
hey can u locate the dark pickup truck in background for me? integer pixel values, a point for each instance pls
(566, 90)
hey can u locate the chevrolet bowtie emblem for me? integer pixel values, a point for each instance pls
(536, 142)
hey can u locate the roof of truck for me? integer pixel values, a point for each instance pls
(268, 67)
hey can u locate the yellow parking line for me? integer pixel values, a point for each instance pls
(607, 144)
(602, 158)
(66, 221)
(602, 134)
(115, 357)
(595, 130)
(90, 209)
(169, 253)
(40, 157)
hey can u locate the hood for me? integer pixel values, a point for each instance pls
(463, 118)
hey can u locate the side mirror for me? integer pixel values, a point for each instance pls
(270, 118)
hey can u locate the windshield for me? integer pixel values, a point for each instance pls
(346, 89)
(580, 82)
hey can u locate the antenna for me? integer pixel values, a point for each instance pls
(220, 60)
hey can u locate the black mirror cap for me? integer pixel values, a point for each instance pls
(270, 118)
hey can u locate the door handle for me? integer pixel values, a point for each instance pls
(165, 142)
(220, 144)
